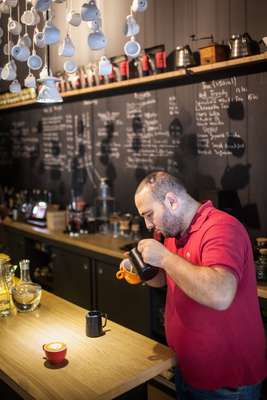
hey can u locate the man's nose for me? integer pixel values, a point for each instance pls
(149, 225)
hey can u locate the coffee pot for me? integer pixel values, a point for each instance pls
(240, 45)
(184, 57)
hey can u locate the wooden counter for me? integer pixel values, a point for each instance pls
(96, 242)
(96, 368)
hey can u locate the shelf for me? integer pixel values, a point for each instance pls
(166, 79)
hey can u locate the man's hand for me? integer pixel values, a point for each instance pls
(153, 252)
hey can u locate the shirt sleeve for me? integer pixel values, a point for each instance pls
(225, 244)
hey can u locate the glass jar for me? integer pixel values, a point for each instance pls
(26, 295)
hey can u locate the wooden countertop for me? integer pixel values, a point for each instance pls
(97, 242)
(96, 368)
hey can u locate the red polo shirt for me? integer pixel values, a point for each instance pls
(217, 348)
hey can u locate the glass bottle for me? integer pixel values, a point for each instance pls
(261, 265)
(26, 295)
(4, 292)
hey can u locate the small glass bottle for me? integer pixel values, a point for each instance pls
(5, 305)
(26, 295)
(261, 265)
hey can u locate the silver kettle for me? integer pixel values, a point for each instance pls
(240, 45)
(184, 57)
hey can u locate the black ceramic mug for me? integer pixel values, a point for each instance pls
(94, 326)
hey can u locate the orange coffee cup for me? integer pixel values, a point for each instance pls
(55, 352)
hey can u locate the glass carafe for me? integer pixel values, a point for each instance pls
(4, 291)
(26, 295)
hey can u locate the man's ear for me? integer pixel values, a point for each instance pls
(171, 201)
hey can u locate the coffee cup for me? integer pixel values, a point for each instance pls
(30, 17)
(30, 81)
(139, 5)
(14, 27)
(49, 91)
(11, 3)
(128, 273)
(74, 18)
(104, 66)
(94, 325)
(70, 66)
(15, 86)
(55, 352)
(7, 48)
(97, 40)
(4, 9)
(132, 48)
(131, 26)
(34, 61)
(26, 40)
(51, 33)
(39, 40)
(66, 49)
(20, 52)
(8, 72)
(95, 25)
(41, 5)
(89, 11)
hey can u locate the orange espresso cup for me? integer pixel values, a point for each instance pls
(55, 352)
(130, 277)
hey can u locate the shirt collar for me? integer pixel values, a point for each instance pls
(197, 222)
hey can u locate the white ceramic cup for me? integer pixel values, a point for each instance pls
(20, 52)
(26, 40)
(41, 5)
(30, 17)
(131, 27)
(38, 39)
(30, 81)
(95, 25)
(104, 66)
(51, 33)
(7, 48)
(89, 11)
(15, 86)
(70, 66)
(4, 9)
(139, 5)
(132, 48)
(11, 3)
(34, 61)
(8, 72)
(74, 18)
(14, 27)
(97, 40)
(66, 49)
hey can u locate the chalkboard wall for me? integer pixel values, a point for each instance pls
(211, 133)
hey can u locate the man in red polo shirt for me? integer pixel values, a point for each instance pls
(212, 317)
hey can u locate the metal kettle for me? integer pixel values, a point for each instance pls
(240, 45)
(184, 57)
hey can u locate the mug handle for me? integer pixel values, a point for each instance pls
(120, 274)
(104, 315)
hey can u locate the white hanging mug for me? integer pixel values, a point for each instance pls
(97, 40)
(132, 48)
(30, 81)
(104, 66)
(89, 11)
(34, 61)
(139, 5)
(15, 86)
(70, 66)
(66, 49)
(8, 72)
(74, 18)
(51, 33)
(131, 27)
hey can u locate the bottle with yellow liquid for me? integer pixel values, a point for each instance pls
(5, 306)
(26, 294)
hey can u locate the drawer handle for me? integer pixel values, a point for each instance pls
(100, 271)
(85, 267)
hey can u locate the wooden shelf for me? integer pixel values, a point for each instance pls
(166, 79)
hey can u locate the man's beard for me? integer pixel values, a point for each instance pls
(171, 226)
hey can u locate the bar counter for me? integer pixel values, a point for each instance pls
(99, 243)
(95, 368)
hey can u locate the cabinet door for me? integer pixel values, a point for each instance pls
(72, 277)
(126, 304)
(15, 246)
